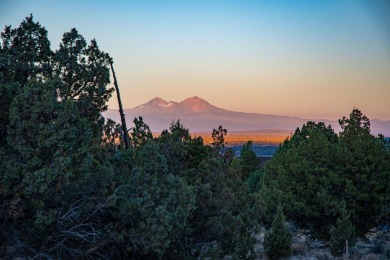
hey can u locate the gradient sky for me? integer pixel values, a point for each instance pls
(312, 59)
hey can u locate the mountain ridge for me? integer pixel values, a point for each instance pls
(194, 104)
(199, 115)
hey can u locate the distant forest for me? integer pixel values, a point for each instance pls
(69, 187)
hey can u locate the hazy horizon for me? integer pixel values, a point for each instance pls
(178, 101)
(309, 59)
(200, 116)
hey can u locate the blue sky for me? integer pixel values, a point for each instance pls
(312, 59)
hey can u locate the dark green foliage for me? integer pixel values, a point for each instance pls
(354, 127)
(51, 143)
(303, 172)
(197, 152)
(343, 231)
(305, 132)
(315, 172)
(84, 69)
(7, 93)
(277, 242)
(224, 210)
(69, 188)
(255, 180)
(363, 168)
(228, 156)
(112, 136)
(24, 54)
(249, 161)
(153, 208)
(55, 177)
(180, 149)
(140, 132)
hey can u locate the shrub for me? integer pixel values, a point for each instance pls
(343, 231)
(277, 242)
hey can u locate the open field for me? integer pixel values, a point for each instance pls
(268, 137)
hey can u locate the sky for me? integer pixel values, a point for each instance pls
(311, 59)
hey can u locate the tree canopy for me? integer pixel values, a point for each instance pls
(70, 189)
(317, 172)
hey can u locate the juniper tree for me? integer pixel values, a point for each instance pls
(140, 132)
(340, 233)
(316, 171)
(249, 161)
(277, 242)
(219, 143)
(363, 170)
(24, 54)
(302, 170)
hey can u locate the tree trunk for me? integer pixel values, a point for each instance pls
(123, 119)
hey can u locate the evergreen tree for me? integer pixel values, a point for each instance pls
(52, 164)
(249, 161)
(254, 180)
(316, 172)
(219, 143)
(152, 209)
(180, 149)
(50, 142)
(228, 156)
(342, 232)
(224, 210)
(363, 170)
(24, 54)
(302, 173)
(84, 70)
(70, 190)
(112, 136)
(277, 242)
(140, 132)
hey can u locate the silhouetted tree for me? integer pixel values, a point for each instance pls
(218, 143)
(122, 114)
(140, 132)
(84, 70)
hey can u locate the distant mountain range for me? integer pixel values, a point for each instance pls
(200, 116)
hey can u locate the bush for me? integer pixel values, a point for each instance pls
(343, 231)
(277, 242)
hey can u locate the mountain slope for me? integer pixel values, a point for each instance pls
(200, 116)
